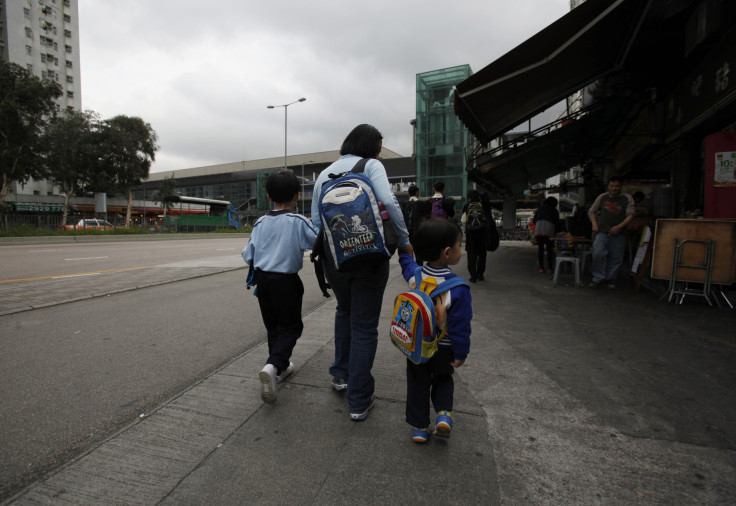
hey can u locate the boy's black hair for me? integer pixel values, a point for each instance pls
(413, 190)
(282, 186)
(433, 236)
(616, 179)
(439, 186)
(473, 196)
(363, 141)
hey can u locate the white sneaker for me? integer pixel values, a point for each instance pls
(285, 373)
(268, 383)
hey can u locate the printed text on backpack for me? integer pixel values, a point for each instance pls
(353, 230)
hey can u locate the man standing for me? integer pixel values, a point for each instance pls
(615, 210)
(415, 210)
(442, 207)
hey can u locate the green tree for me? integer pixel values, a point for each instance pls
(128, 150)
(166, 190)
(26, 104)
(71, 150)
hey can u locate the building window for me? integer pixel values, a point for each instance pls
(67, 18)
(67, 33)
(69, 79)
(29, 50)
(29, 67)
(29, 33)
(68, 48)
(43, 58)
(67, 3)
(70, 94)
(68, 64)
(26, 13)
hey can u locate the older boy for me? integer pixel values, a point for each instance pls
(276, 251)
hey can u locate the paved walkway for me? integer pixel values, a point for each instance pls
(569, 396)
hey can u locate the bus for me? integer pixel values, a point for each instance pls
(194, 214)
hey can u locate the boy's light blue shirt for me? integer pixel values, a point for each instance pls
(278, 240)
(376, 172)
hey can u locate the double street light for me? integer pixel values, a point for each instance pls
(285, 106)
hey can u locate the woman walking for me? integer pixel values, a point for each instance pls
(546, 220)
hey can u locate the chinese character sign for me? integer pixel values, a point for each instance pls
(725, 169)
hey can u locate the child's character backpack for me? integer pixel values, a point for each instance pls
(355, 235)
(476, 216)
(418, 321)
(438, 211)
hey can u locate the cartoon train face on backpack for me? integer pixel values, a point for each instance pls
(400, 326)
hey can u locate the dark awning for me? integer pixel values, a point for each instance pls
(588, 138)
(589, 42)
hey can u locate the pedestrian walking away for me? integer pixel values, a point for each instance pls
(359, 292)
(546, 221)
(440, 241)
(474, 217)
(275, 254)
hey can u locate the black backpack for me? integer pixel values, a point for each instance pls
(476, 216)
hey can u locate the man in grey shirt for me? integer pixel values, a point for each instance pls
(609, 215)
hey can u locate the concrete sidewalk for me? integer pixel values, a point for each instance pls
(569, 396)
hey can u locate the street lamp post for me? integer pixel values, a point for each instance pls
(285, 106)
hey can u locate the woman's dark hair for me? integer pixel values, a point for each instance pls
(282, 186)
(364, 141)
(473, 196)
(433, 236)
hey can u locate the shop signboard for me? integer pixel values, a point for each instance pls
(38, 207)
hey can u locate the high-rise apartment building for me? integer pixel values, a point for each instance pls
(43, 37)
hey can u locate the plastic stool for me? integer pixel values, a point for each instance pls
(576, 266)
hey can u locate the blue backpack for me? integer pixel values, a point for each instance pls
(416, 329)
(355, 233)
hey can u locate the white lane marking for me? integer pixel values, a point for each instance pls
(225, 249)
(86, 258)
(75, 275)
(43, 250)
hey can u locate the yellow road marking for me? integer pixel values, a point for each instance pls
(71, 275)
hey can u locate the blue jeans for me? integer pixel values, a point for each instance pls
(608, 255)
(359, 298)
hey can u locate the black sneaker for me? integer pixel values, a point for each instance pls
(593, 284)
(611, 285)
(339, 384)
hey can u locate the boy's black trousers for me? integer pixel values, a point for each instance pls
(280, 299)
(431, 381)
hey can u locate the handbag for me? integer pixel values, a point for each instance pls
(492, 240)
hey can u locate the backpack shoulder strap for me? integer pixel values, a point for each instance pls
(448, 285)
(360, 166)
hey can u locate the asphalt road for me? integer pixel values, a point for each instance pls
(73, 374)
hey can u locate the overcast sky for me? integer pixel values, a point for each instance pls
(202, 73)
